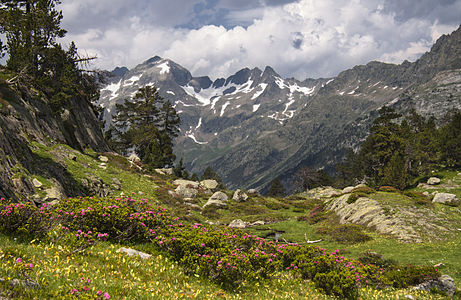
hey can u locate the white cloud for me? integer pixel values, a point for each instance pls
(308, 38)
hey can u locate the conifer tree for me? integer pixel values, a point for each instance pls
(450, 141)
(147, 125)
(277, 189)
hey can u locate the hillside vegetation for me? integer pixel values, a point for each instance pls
(77, 238)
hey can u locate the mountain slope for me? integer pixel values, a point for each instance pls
(254, 125)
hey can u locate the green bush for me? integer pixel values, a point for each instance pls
(418, 197)
(337, 284)
(375, 259)
(388, 189)
(364, 190)
(352, 198)
(405, 276)
(346, 233)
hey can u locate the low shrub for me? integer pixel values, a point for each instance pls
(404, 276)
(375, 259)
(364, 190)
(388, 189)
(346, 233)
(316, 215)
(352, 198)
(418, 197)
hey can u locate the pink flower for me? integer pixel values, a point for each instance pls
(31, 265)
(106, 295)
(99, 293)
(18, 260)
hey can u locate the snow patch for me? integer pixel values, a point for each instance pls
(342, 93)
(132, 80)
(195, 140)
(171, 93)
(199, 123)
(256, 107)
(257, 94)
(331, 80)
(113, 88)
(164, 68)
(223, 108)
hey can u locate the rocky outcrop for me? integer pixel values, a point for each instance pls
(444, 284)
(238, 224)
(25, 116)
(209, 184)
(240, 196)
(218, 199)
(96, 186)
(132, 252)
(433, 181)
(446, 198)
(368, 212)
(185, 192)
(322, 192)
(186, 183)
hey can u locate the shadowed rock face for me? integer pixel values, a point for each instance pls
(254, 125)
(25, 117)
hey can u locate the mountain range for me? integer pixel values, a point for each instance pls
(255, 125)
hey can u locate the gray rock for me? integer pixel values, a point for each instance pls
(185, 192)
(253, 191)
(347, 189)
(186, 183)
(444, 284)
(103, 166)
(103, 158)
(96, 186)
(257, 223)
(168, 171)
(134, 158)
(219, 199)
(240, 196)
(209, 184)
(37, 183)
(132, 252)
(433, 181)
(446, 198)
(238, 224)
(54, 193)
(116, 181)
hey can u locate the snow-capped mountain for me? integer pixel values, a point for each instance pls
(255, 125)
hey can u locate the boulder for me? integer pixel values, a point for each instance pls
(209, 184)
(257, 223)
(103, 166)
(54, 193)
(433, 181)
(103, 158)
(96, 186)
(347, 189)
(446, 198)
(168, 171)
(186, 183)
(323, 192)
(132, 252)
(238, 224)
(134, 158)
(116, 184)
(253, 191)
(444, 284)
(185, 192)
(36, 183)
(219, 199)
(240, 196)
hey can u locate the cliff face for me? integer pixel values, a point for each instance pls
(25, 118)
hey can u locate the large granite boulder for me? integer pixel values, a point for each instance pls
(238, 224)
(185, 192)
(446, 198)
(240, 196)
(218, 199)
(209, 184)
(433, 181)
(187, 183)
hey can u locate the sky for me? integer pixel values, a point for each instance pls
(301, 39)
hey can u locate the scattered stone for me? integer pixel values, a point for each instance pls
(140, 193)
(426, 193)
(444, 284)
(219, 199)
(134, 158)
(28, 283)
(439, 265)
(240, 196)
(53, 193)
(192, 205)
(209, 184)
(132, 252)
(72, 156)
(253, 191)
(446, 198)
(103, 158)
(116, 184)
(103, 166)
(323, 192)
(185, 192)
(186, 183)
(96, 186)
(347, 189)
(433, 181)
(168, 171)
(409, 297)
(258, 223)
(238, 224)
(36, 183)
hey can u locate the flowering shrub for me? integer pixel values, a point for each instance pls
(226, 255)
(20, 218)
(388, 189)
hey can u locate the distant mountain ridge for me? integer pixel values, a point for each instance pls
(254, 125)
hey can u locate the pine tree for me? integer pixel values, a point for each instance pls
(209, 173)
(194, 177)
(450, 141)
(277, 189)
(31, 28)
(179, 169)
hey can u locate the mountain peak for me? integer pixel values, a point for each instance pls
(153, 60)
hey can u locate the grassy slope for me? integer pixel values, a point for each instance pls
(159, 277)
